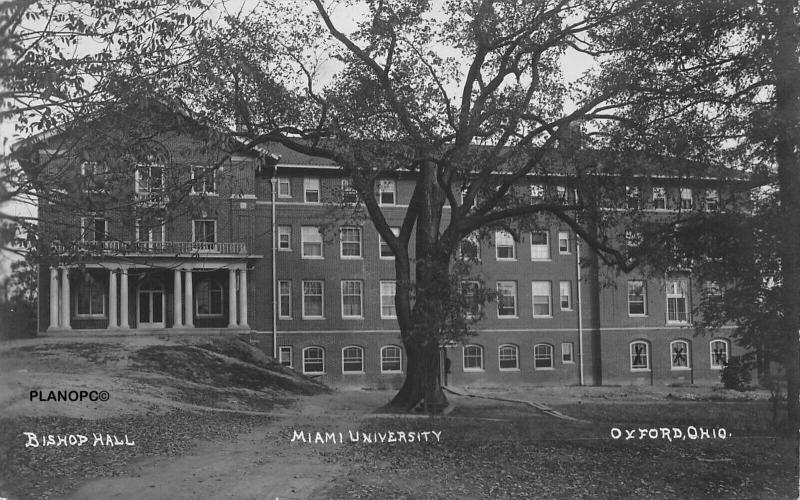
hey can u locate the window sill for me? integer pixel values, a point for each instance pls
(680, 369)
(641, 370)
(313, 318)
(507, 317)
(564, 253)
(313, 373)
(637, 315)
(351, 257)
(567, 362)
(541, 260)
(543, 317)
(284, 249)
(353, 317)
(716, 367)
(285, 317)
(506, 259)
(353, 373)
(679, 323)
(543, 369)
(509, 369)
(387, 258)
(194, 193)
(312, 257)
(473, 370)
(390, 372)
(388, 317)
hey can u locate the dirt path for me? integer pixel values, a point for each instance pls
(262, 464)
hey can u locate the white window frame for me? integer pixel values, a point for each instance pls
(561, 289)
(644, 299)
(502, 239)
(513, 286)
(718, 366)
(536, 249)
(85, 229)
(322, 359)
(285, 230)
(712, 200)
(631, 355)
(95, 286)
(633, 197)
(281, 351)
(322, 299)
(360, 359)
(567, 353)
(391, 184)
(399, 358)
(139, 188)
(563, 237)
(306, 232)
(309, 184)
(140, 228)
(687, 198)
(381, 244)
(671, 295)
(385, 297)
(208, 174)
(342, 242)
(687, 353)
(534, 295)
(360, 299)
(472, 356)
(284, 181)
(194, 230)
(288, 299)
(213, 285)
(537, 191)
(348, 191)
(561, 192)
(540, 357)
(659, 194)
(500, 358)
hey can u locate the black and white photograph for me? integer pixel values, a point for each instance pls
(399, 249)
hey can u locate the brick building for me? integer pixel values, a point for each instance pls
(152, 257)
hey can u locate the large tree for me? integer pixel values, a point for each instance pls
(468, 98)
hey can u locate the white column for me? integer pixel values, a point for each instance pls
(178, 306)
(123, 299)
(243, 298)
(112, 300)
(189, 302)
(53, 299)
(232, 298)
(65, 313)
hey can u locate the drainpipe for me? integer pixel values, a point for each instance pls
(580, 303)
(274, 182)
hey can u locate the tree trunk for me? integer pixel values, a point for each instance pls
(421, 326)
(787, 156)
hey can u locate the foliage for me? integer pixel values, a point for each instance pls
(736, 373)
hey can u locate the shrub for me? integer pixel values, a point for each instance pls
(737, 373)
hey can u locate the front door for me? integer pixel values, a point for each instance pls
(151, 306)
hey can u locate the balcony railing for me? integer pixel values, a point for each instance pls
(158, 247)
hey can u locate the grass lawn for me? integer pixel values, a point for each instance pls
(491, 449)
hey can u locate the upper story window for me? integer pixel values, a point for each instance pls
(204, 180)
(537, 191)
(313, 299)
(149, 179)
(687, 199)
(311, 242)
(659, 198)
(204, 231)
(540, 245)
(384, 250)
(311, 190)
(93, 173)
(284, 187)
(388, 291)
(284, 299)
(540, 291)
(387, 192)
(563, 242)
(469, 293)
(150, 233)
(507, 299)
(633, 197)
(677, 301)
(565, 295)
(561, 193)
(285, 238)
(94, 229)
(712, 199)
(637, 298)
(350, 239)
(505, 247)
(352, 299)
(349, 193)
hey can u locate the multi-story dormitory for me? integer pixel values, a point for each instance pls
(210, 261)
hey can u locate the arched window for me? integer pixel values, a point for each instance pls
(391, 359)
(90, 297)
(542, 356)
(208, 298)
(679, 355)
(313, 360)
(508, 356)
(720, 351)
(473, 358)
(640, 356)
(352, 359)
